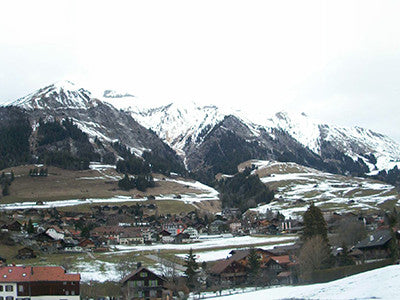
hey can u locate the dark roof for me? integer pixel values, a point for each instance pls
(378, 238)
(138, 270)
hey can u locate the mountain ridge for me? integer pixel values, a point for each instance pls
(196, 132)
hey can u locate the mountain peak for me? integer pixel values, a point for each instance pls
(62, 94)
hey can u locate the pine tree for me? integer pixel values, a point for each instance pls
(254, 265)
(191, 269)
(30, 228)
(6, 189)
(314, 223)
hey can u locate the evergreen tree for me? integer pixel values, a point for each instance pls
(6, 189)
(30, 229)
(254, 265)
(314, 223)
(191, 269)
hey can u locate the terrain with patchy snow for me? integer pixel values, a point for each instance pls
(297, 186)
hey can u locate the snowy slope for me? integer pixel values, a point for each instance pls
(179, 124)
(381, 283)
(352, 141)
(297, 186)
(63, 94)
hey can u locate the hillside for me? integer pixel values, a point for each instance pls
(99, 184)
(297, 186)
(376, 284)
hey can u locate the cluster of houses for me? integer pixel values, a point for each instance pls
(56, 231)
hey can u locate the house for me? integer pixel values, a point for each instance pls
(26, 253)
(166, 237)
(36, 283)
(234, 269)
(218, 226)
(55, 233)
(144, 284)
(182, 238)
(13, 226)
(131, 236)
(193, 232)
(376, 245)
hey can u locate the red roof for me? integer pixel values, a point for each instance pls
(23, 273)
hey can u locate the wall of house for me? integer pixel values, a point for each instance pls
(4, 293)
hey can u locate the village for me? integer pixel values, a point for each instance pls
(36, 234)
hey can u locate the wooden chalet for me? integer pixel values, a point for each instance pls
(144, 284)
(376, 245)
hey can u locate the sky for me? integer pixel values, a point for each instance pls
(337, 61)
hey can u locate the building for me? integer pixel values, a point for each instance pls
(50, 283)
(144, 284)
(376, 245)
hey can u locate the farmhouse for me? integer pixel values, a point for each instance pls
(38, 283)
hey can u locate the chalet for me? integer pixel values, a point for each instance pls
(376, 245)
(234, 269)
(144, 284)
(38, 283)
(217, 226)
(166, 237)
(182, 238)
(13, 226)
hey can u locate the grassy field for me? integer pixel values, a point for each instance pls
(63, 184)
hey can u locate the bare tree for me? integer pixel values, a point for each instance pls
(349, 232)
(126, 266)
(313, 256)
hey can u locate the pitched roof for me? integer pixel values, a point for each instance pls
(378, 238)
(138, 270)
(23, 274)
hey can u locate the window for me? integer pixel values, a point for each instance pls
(140, 283)
(1, 298)
(143, 274)
(153, 293)
(9, 298)
(9, 288)
(153, 282)
(1, 289)
(73, 293)
(140, 294)
(21, 288)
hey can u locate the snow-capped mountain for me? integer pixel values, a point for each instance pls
(183, 125)
(60, 95)
(98, 119)
(211, 139)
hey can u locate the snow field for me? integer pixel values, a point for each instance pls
(381, 283)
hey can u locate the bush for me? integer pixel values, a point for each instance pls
(326, 275)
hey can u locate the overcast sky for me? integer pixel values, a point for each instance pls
(338, 61)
